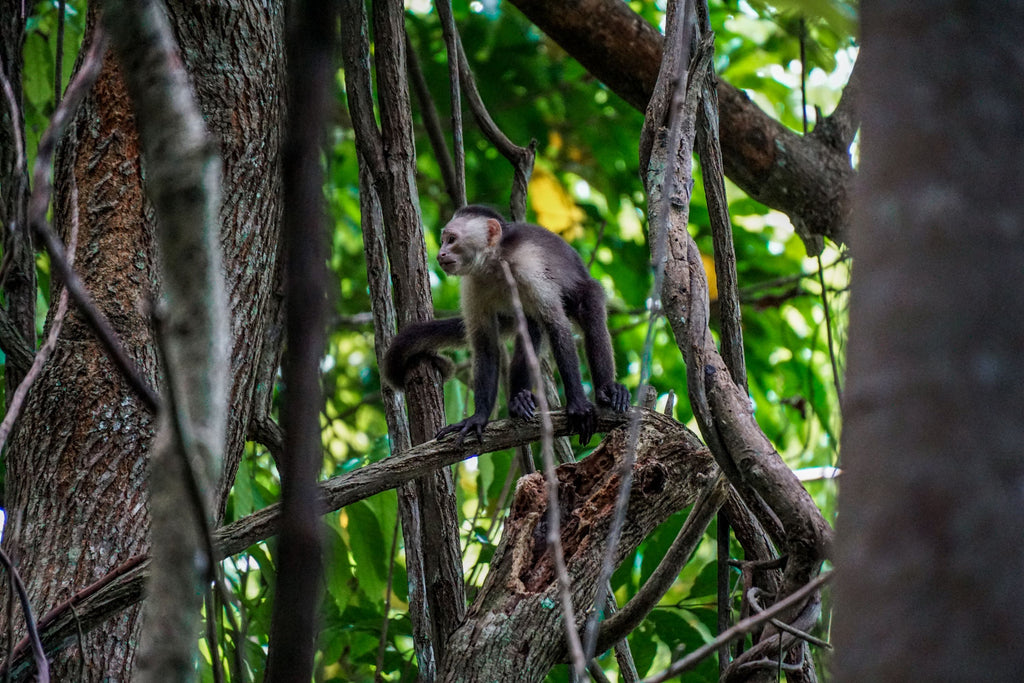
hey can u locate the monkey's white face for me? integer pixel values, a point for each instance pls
(468, 244)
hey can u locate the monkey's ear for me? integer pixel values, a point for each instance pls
(493, 232)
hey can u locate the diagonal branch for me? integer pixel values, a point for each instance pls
(554, 518)
(661, 579)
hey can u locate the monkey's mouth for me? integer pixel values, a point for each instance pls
(448, 265)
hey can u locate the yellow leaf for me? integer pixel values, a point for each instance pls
(709, 268)
(555, 209)
(555, 141)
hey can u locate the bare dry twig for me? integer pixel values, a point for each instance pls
(576, 654)
(739, 629)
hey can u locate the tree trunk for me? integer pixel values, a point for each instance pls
(930, 555)
(77, 459)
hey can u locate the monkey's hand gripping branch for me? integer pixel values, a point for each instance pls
(473, 424)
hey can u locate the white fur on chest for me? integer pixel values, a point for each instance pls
(486, 294)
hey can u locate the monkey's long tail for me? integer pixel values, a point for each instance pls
(419, 343)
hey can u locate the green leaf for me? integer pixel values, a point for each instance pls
(369, 550)
(341, 583)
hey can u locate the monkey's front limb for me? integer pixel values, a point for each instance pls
(484, 341)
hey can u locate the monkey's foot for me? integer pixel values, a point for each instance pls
(582, 419)
(615, 396)
(523, 405)
(471, 425)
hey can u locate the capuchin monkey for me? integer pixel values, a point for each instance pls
(554, 287)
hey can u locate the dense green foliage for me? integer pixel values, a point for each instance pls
(587, 178)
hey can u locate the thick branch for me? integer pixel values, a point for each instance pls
(804, 177)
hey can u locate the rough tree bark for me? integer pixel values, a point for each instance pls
(930, 555)
(77, 459)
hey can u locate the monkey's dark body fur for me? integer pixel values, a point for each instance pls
(554, 288)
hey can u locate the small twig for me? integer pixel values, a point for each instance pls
(803, 72)
(747, 293)
(765, 663)
(839, 128)
(597, 243)
(499, 509)
(579, 662)
(269, 434)
(739, 629)
(79, 640)
(759, 565)
(428, 111)
(821, 272)
(227, 598)
(211, 637)
(38, 654)
(828, 332)
(724, 594)
(108, 339)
